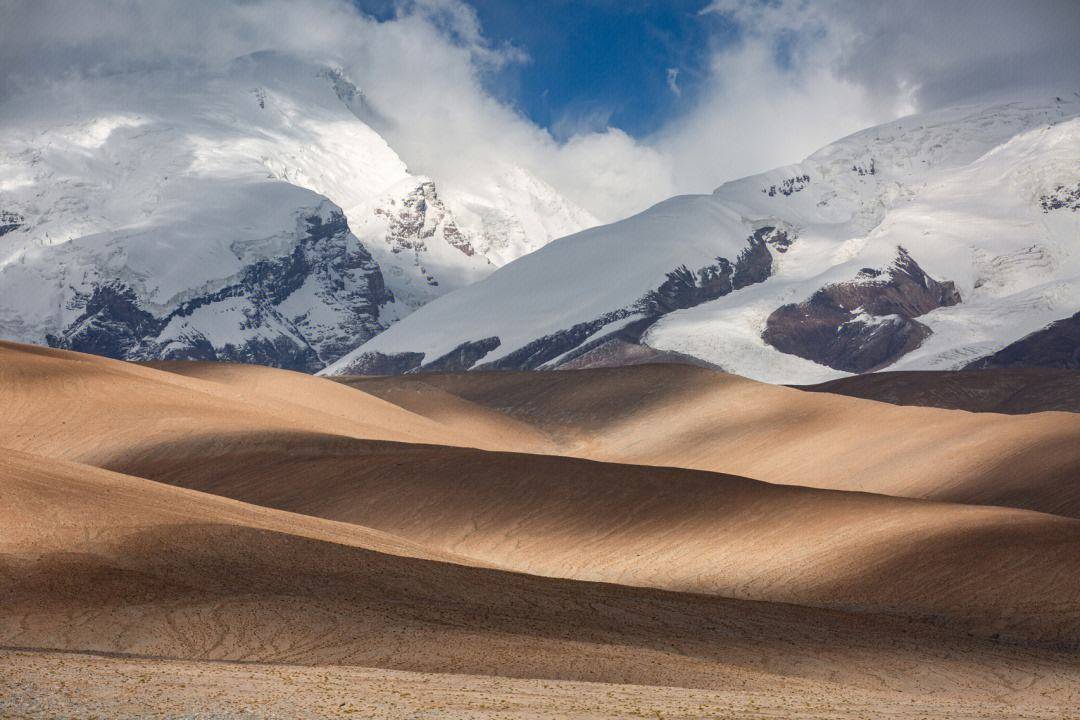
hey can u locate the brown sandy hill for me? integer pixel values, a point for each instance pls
(83, 407)
(1013, 391)
(463, 423)
(681, 416)
(665, 528)
(104, 562)
(994, 571)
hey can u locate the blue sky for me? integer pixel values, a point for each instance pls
(593, 63)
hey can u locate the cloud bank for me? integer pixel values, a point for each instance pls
(797, 75)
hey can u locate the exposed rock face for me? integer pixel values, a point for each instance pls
(421, 215)
(685, 288)
(1055, 346)
(549, 347)
(9, 221)
(788, 186)
(464, 356)
(620, 353)
(279, 351)
(863, 324)
(867, 168)
(1062, 198)
(111, 324)
(420, 246)
(377, 363)
(327, 263)
(987, 191)
(341, 274)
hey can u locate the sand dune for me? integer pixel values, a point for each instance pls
(666, 528)
(432, 525)
(1014, 391)
(564, 517)
(681, 416)
(125, 565)
(84, 408)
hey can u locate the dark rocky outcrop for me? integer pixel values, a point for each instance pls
(869, 168)
(685, 288)
(279, 351)
(864, 324)
(327, 257)
(549, 347)
(377, 363)
(190, 346)
(755, 262)
(111, 324)
(611, 343)
(1062, 198)
(10, 221)
(1055, 346)
(464, 356)
(787, 186)
(457, 239)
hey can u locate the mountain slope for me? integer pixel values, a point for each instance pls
(924, 243)
(247, 213)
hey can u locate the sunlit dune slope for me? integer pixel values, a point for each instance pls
(462, 422)
(103, 562)
(84, 408)
(677, 415)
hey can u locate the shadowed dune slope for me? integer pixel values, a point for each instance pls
(994, 571)
(677, 415)
(1014, 391)
(103, 562)
(636, 525)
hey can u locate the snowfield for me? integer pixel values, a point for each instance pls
(963, 191)
(190, 197)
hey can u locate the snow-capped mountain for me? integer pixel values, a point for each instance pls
(247, 213)
(932, 242)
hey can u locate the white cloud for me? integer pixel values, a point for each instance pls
(801, 75)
